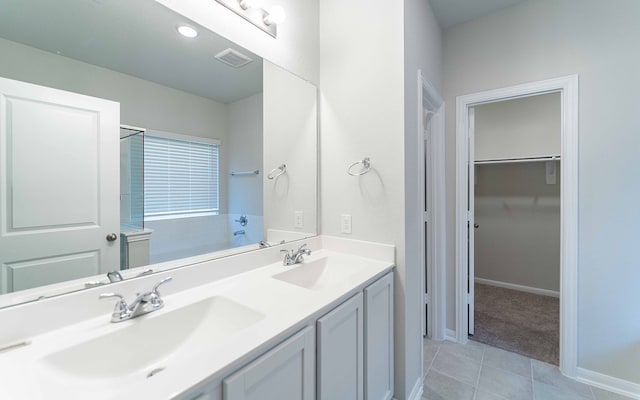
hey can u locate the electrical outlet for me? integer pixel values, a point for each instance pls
(298, 219)
(345, 223)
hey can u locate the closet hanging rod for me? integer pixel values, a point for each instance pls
(253, 172)
(518, 160)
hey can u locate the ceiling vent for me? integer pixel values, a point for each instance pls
(233, 58)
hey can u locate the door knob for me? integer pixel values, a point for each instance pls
(112, 237)
(476, 226)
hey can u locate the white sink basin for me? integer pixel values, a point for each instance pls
(318, 274)
(148, 344)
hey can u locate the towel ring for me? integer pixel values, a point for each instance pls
(366, 163)
(276, 172)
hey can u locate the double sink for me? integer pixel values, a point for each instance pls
(144, 347)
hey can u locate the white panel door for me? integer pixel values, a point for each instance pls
(378, 339)
(340, 352)
(287, 372)
(471, 180)
(59, 185)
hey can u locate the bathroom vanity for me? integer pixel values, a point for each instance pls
(241, 327)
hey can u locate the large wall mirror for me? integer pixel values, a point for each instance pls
(127, 148)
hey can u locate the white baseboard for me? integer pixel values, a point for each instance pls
(609, 383)
(528, 289)
(450, 335)
(416, 392)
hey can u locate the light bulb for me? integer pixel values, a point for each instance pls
(187, 31)
(275, 15)
(246, 4)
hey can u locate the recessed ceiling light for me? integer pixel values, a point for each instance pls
(187, 31)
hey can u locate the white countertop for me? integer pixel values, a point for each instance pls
(284, 308)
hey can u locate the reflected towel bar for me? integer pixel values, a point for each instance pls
(254, 172)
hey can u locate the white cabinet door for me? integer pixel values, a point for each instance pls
(340, 352)
(285, 373)
(378, 339)
(59, 185)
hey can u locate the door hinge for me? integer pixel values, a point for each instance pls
(468, 216)
(427, 298)
(426, 216)
(468, 298)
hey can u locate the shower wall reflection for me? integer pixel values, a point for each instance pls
(131, 178)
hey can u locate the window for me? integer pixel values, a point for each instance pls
(180, 177)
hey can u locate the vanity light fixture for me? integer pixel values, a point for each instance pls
(265, 18)
(275, 15)
(246, 4)
(187, 31)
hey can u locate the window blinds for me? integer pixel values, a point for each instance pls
(180, 177)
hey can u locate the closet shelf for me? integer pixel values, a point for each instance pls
(519, 160)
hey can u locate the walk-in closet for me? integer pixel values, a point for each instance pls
(516, 205)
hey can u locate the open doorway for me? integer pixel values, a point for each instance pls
(566, 88)
(515, 200)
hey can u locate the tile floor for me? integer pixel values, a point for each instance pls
(476, 371)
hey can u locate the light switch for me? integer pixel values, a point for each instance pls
(345, 223)
(298, 219)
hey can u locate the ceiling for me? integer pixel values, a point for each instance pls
(137, 38)
(453, 12)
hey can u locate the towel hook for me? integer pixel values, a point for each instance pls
(366, 164)
(276, 172)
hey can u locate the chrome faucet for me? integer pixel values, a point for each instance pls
(144, 303)
(295, 257)
(264, 244)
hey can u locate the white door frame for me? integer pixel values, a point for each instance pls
(568, 88)
(429, 98)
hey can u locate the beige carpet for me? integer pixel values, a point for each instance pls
(520, 322)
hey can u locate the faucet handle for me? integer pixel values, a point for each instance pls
(145, 272)
(162, 282)
(114, 276)
(112, 295)
(121, 311)
(154, 298)
(287, 253)
(303, 249)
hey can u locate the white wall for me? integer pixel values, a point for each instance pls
(296, 47)
(518, 128)
(244, 148)
(290, 138)
(143, 103)
(363, 100)
(518, 238)
(184, 237)
(536, 40)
